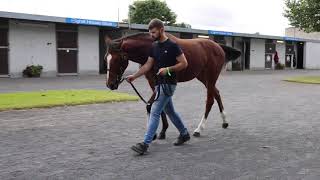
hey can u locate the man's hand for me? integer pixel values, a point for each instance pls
(162, 71)
(130, 78)
(144, 69)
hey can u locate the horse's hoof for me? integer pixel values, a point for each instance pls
(162, 136)
(196, 134)
(154, 137)
(225, 125)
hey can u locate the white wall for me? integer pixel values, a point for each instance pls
(312, 55)
(229, 43)
(238, 44)
(281, 49)
(257, 55)
(32, 44)
(88, 57)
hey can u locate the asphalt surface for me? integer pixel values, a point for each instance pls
(273, 134)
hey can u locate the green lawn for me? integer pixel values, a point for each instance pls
(41, 99)
(305, 79)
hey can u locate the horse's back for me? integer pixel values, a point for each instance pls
(200, 54)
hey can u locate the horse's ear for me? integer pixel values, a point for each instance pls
(115, 45)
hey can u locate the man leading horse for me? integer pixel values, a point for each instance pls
(167, 58)
(205, 60)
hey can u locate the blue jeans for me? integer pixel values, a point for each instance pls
(163, 102)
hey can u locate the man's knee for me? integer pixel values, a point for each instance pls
(169, 110)
(155, 111)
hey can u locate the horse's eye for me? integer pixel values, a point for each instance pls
(109, 57)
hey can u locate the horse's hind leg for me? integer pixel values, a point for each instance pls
(209, 103)
(221, 108)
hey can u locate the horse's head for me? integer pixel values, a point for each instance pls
(117, 62)
(134, 47)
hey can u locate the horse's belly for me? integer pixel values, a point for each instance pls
(189, 73)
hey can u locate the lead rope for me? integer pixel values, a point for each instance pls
(135, 89)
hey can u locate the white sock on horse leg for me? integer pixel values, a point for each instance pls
(224, 116)
(201, 125)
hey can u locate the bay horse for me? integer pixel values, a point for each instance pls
(205, 62)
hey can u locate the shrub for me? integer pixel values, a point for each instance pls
(279, 66)
(32, 71)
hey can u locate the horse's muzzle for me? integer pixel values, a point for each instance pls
(112, 86)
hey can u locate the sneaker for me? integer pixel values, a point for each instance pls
(140, 148)
(182, 139)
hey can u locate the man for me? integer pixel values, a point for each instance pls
(167, 58)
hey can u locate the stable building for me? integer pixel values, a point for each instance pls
(72, 46)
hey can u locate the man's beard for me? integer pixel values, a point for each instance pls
(156, 38)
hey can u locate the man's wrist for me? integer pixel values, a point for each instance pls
(135, 75)
(168, 71)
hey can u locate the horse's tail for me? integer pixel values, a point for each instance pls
(231, 54)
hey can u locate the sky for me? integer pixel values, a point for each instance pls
(244, 16)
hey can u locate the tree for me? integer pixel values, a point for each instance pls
(183, 25)
(142, 12)
(304, 14)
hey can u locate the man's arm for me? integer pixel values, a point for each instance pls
(144, 69)
(182, 64)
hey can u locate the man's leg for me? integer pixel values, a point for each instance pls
(177, 121)
(156, 109)
(175, 118)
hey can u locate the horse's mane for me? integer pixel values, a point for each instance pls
(141, 35)
(134, 36)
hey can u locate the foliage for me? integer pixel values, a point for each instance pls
(182, 25)
(279, 66)
(304, 14)
(32, 71)
(142, 12)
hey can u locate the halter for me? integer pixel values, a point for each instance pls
(119, 78)
(123, 57)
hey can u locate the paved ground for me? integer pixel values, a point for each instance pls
(274, 133)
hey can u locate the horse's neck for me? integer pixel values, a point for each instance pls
(143, 56)
(140, 61)
(172, 37)
(140, 52)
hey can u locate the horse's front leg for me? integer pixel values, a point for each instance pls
(165, 126)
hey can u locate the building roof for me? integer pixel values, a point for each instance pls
(23, 16)
(100, 23)
(296, 32)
